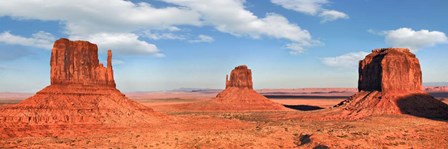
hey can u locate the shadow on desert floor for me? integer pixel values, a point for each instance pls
(303, 107)
(425, 106)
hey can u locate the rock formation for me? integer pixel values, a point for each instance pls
(77, 63)
(82, 91)
(392, 70)
(240, 77)
(390, 82)
(238, 95)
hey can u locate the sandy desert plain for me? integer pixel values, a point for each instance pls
(83, 109)
(224, 74)
(250, 129)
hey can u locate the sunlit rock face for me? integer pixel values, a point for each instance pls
(237, 96)
(82, 91)
(390, 82)
(240, 95)
(240, 77)
(76, 62)
(390, 70)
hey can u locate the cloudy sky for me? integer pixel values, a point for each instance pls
(170, 44)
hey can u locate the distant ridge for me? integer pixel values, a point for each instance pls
(435, 83)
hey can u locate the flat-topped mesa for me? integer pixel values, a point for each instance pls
(76, 62)
(390, 70)
(239, 94)
(240, 77)
(390, 82)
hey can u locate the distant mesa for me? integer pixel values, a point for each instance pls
(239, 95)
(240, 77)
(436, 89)
(390, 82)
(82, 91)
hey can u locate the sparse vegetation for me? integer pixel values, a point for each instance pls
(302, 139)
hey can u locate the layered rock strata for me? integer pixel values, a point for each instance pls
(82, 91)
(237, 96)
(390, 82)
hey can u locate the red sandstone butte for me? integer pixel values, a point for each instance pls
(390, 82)
(240, 77)
(77, 63)
(238, 95)
(82, 91)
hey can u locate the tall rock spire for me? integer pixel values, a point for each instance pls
(110, 71)
(227, 81)
(109, 58)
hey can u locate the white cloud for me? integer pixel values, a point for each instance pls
(100, 18)
(116, 62)
(40, 39)
(331, 15)
(127, 43)
(295, 48)
(414, 40)
(97, 19)
(231, 17)
(202, 38)
(372, 31)
(312, 7)
(160, 36)
(83, 17)
(348, 60)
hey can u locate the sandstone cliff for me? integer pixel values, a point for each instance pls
(76, 62)
(238, 95)
(82, 91)
(390, 70)
(390, 82)
(240, 77)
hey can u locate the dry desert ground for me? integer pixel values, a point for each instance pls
(290, 128)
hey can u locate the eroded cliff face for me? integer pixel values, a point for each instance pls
(390, 70)
(390, 82)
(239, 93)
(238, 96)
(76, 62)
(240, 77)
(82, 91)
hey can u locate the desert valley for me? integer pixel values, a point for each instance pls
(83, 109)
(224, 74)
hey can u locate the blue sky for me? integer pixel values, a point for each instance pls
(170, 44)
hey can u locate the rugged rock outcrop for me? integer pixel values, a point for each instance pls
(391, 70)
(82, 91)
(240, 77)
(238, 95)
(390, 82)
(76, 62)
